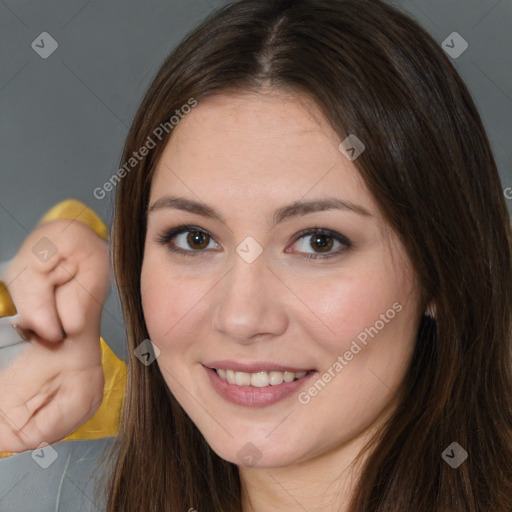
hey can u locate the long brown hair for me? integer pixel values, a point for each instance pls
(377, 74)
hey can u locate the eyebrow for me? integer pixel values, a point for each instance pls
(294, 209)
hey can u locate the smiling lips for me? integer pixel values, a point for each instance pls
(256, 388)
(256, 384)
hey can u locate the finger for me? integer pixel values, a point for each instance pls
(33, 295)
(32, 291)
(80, 301)
(40, 318)
(78, 309)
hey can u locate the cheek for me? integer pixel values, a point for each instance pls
(171, 303)
(369, 319)
(345, 306)
(163, 298)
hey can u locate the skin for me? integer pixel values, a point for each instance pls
(247, 155)
(55, 384)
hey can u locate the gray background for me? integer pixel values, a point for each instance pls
(64, 120)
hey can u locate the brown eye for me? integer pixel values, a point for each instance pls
(321, 243)
(188, 241)
(198, 239)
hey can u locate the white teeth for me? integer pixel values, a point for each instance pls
(288, 376)
(258, 379)
(276, 378)
(242, 379)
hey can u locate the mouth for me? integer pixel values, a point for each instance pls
(260, 379)
(258, 387)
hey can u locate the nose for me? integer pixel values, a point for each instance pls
(249, 305)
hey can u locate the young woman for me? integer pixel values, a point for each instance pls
(319, 250)
(310, 229)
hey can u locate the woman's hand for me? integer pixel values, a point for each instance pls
(58, 282)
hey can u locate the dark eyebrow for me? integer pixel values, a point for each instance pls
(317, 205)
(292, 210)
(186, 205)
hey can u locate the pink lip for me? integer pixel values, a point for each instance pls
(265, 366)
(251, 396)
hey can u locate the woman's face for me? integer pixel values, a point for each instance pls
(285, 264)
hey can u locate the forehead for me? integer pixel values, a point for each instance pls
(276, 146)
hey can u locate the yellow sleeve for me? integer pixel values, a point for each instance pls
(105, 422)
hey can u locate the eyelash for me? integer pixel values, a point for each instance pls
(166, 237)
